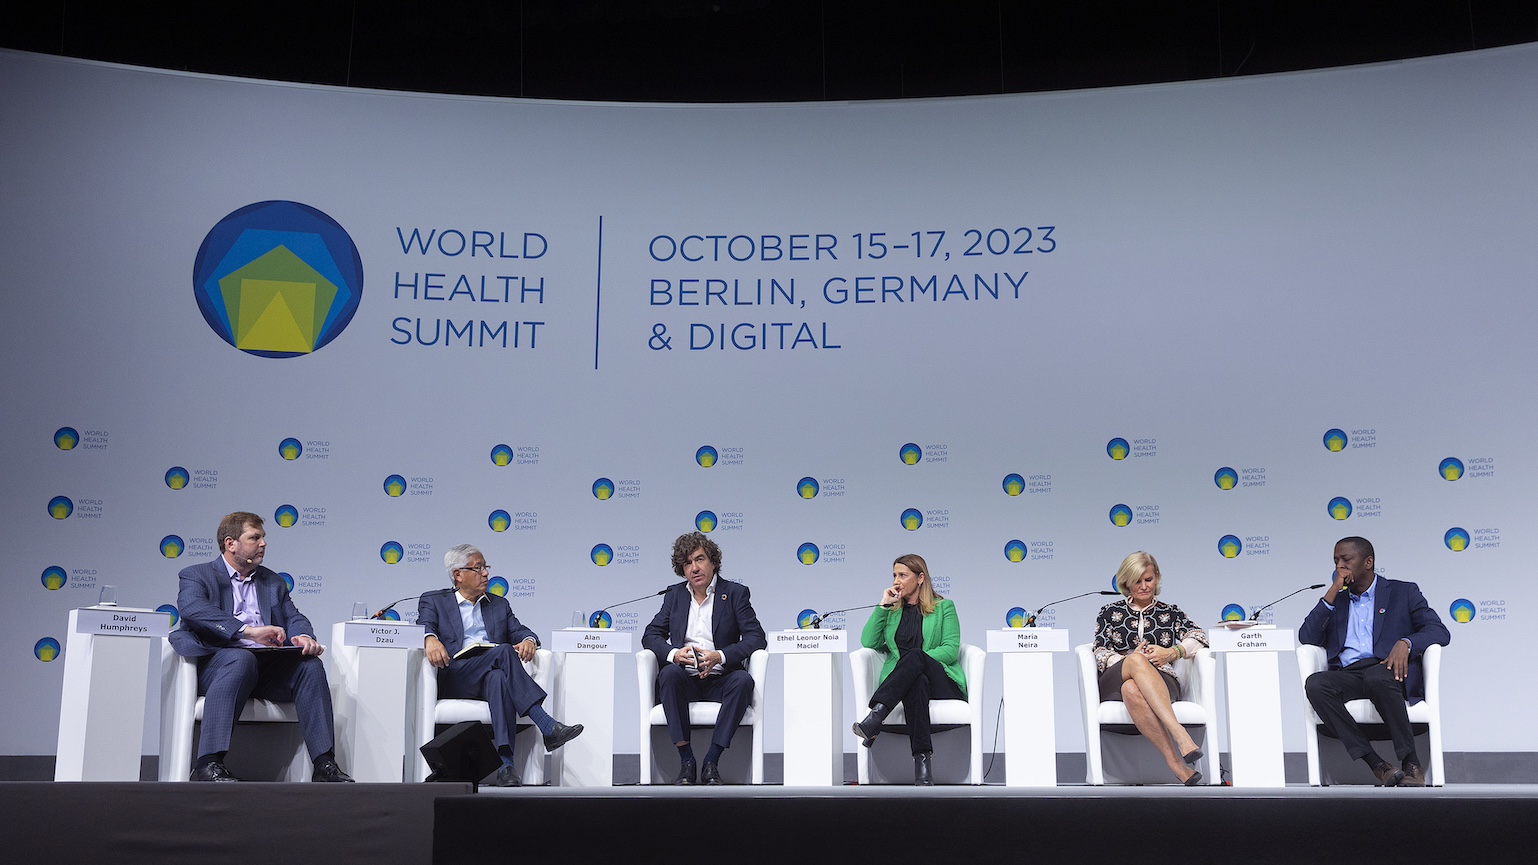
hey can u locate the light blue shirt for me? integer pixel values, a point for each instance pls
(1359, 626)
(470, 617)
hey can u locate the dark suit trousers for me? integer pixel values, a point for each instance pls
(1329, 690)
(498, 677)
(230, 677)
(676, 689)
(915, 681)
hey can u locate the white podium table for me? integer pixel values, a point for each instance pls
(101, 712)
(1254, 700)
(1030, 728)
(813, 696)
(587, 697)
(377, 662)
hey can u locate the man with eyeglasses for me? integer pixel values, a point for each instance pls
(466, 615)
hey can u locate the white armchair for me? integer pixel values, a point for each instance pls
(890, 760)
(1116, 757)
(702, 716)
(282, 758)
(1329, 763)
(528, 751)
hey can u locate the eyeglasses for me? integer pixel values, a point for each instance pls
(483, 569)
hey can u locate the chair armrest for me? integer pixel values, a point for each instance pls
(864, 666)
(758, 668)
(1089, 678)
(1311, 659)
(646, 683)
(974, 660)
(1201, 682)
(1431, 665)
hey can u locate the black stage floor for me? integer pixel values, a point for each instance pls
(446, 824)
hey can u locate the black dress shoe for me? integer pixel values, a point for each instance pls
(328, 770)
(506, 776)
(710, 775)
(1195, 780)
(214, 771)
(1192, 757)
(686, 774)
(922, 774)
(561, 735)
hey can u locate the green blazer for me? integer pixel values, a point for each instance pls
(942, 639)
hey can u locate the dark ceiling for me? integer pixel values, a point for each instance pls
(756, 50)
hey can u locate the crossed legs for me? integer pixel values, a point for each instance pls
(1148, 702)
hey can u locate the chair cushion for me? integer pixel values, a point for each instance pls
(1115, 712)
(456, 711)
(701, 714)
(1363, 712)
(940, 712)
(259, 711)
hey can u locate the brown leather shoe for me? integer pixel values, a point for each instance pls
(1414, 775)
(1388, 776)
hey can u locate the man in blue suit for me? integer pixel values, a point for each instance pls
(703, 637)
(466, 615)
(1374, 639)
(232, 609)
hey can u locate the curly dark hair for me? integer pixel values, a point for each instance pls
(685, 546)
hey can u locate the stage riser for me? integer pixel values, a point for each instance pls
(1148, 830)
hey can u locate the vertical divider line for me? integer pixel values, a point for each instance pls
(598, 302)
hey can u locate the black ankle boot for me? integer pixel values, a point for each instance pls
(868, 729)
(922, 776)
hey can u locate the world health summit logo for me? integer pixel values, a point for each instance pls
(277, 279)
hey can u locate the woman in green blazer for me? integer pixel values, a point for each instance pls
(920, 635)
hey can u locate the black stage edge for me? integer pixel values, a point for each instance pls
(199, 824)
(1361, 826)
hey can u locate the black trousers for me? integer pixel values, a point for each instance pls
(1329, 690)
(676, 689)
(915, 681)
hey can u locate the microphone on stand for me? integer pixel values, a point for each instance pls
(817, 618)
(598, 615)
(1255, 616)
(381, 613)
(1031, 622)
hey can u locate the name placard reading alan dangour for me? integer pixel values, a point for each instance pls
(797, 641)
(592, 640)
(122, 622)
(1028, 640)
(379, 634)
(1261, 638)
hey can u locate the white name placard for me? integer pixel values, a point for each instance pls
(381, 634)
(122, 622)
(1028, 640)
(1261, 638)
(592, 640)
(797, 641)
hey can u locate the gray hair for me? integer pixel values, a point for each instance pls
(456, 558)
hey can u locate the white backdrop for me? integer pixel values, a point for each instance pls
(1218, 273)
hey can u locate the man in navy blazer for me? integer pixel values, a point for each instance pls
(703, 637)
(1374, 639)
(230, 607)
(465, 615)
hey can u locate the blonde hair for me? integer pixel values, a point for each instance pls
(927, 594)
(1133, 567)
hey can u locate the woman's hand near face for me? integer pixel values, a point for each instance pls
(890, 597)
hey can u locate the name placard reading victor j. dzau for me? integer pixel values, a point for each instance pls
(378, 634)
